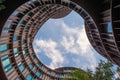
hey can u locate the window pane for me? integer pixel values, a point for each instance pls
(17, 79)
(7, 68)
(28, 77)
(15, 38)
(38, 65)
(23, 41)
(24, 54)
(109, 25)
(15, 13)
(21, 66)
(3, 48)
(15, 52)
(32, 57)
(30, 66)
(5, 31)
(6, 63)
(38, 74)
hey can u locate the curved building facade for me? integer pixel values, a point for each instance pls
(21, 22)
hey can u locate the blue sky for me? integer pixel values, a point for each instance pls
(63, 42)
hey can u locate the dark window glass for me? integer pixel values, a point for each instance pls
(23, 41)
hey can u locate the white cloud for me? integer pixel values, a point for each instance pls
(49, 47)
(75, 42)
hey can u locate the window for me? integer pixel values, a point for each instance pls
(38, 74)
(21, 66)
(12, 26)
(38, 65)
(30, 14)
(17, 79)
(61, 76)
(32, 56)
(6, 63)
(48, 72)
(15, 52)
(57, 75)
(3, 48)
(21, 22)
(5, 31)
(23, 41)
(24, 54)
(27, 27)
(30, 66)
(15, 38)
(15, 13)
(29, 77)
(109, 25)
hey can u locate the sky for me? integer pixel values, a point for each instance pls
(63, 42)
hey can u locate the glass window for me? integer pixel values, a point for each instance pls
(48, 72)
(30, 66)
(17, 79)
(29, 2)
(30, 14)
(38, 65)
(109, 25)
(24, 54)
(15, 13)
(5, 31)
(27, 27)
(23, 41)
(12, 26)
(15, 38)
(3, 48)
(21, 66)
(32, 57)
(6, 63)
(22, 22)
(57, 75)
(29, 77)
(15, 52)
(38, 74)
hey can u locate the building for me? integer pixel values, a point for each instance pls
(20, 23)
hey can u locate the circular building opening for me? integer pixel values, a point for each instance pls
(63, 42)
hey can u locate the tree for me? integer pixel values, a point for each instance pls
(104, 71)
(1, 5)
(118, 73)
(79, 75)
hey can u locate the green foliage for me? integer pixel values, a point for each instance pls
(79, 75)
(118, 71)
(103, 72)
(1, 5)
